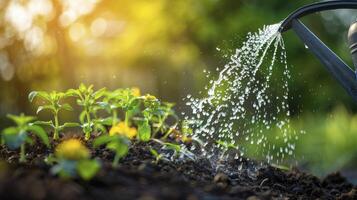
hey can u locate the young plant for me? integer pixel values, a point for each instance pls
(126, 99)
(157, 156)
(17, 136)
(119, 144)
(71, 159)
(156, 113)
(52, 102)
(176, 148)
(226, 147)
(111, 104)
(87, 98)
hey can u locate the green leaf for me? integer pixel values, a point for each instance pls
(32, 95)
(104, 139)
(47, 107)
(100, 128)
(72, 92)
(106, 121)
(154, 152)
(37, 130)
(44, 95)
(69, 125)
(43, 123)
(99, 93)
(144, 131)
(82, 116)
(87, 169)
(82, 87)
(66, 107)
(174, 147)
(21, 120)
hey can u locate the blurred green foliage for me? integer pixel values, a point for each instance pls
(163, 46)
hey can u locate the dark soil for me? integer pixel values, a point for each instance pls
(138, 177)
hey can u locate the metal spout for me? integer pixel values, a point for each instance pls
(334, 64)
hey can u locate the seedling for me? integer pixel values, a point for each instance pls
(157, 156)
(125, 99)
(226, 145)
(176, 148)
(119, 144)
(111, 104)
(72, 158)
(87, 98)
(52, 102)
(157, 113)
(144, 130)
(17, 136)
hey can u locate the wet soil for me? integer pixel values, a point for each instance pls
(139, 177)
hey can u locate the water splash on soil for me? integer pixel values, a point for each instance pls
(247, 105)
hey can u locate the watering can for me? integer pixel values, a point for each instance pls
(334, 64)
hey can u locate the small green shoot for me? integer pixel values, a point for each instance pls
(157, 113)
(87, 98)
(116, 143)
(52, 102)
(157, 156)
(17, 136)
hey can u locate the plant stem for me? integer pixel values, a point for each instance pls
(56, 133)
(22, 154)
(87, 133)
(116, 160)
(126, 118)
(162, 120)
(115, 116)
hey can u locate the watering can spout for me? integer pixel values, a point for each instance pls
(334, 64)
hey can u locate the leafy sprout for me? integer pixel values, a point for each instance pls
(157, 156)
(117, 143)
(126, 99)
(157, 113)
(52, 102)
(17, 136)
(176, 148)
(87, 98)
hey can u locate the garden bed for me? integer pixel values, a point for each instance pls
(139, 177)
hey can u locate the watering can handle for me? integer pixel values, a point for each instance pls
(316, 7)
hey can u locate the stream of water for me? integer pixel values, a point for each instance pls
(246, 107)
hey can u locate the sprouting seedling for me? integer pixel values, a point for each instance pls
(129, 101)
(111, 103)
(52, 102)
(87, 98)
(72, 158)
(17, 136)
(117, 143)
(157, 156)
(176, 148)
(226, 146)
(157, 113)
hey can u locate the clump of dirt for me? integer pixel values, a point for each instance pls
(139, 177)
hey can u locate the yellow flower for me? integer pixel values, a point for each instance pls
(149, 97)
(135, 91)
(122, 129)
(72, 149)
